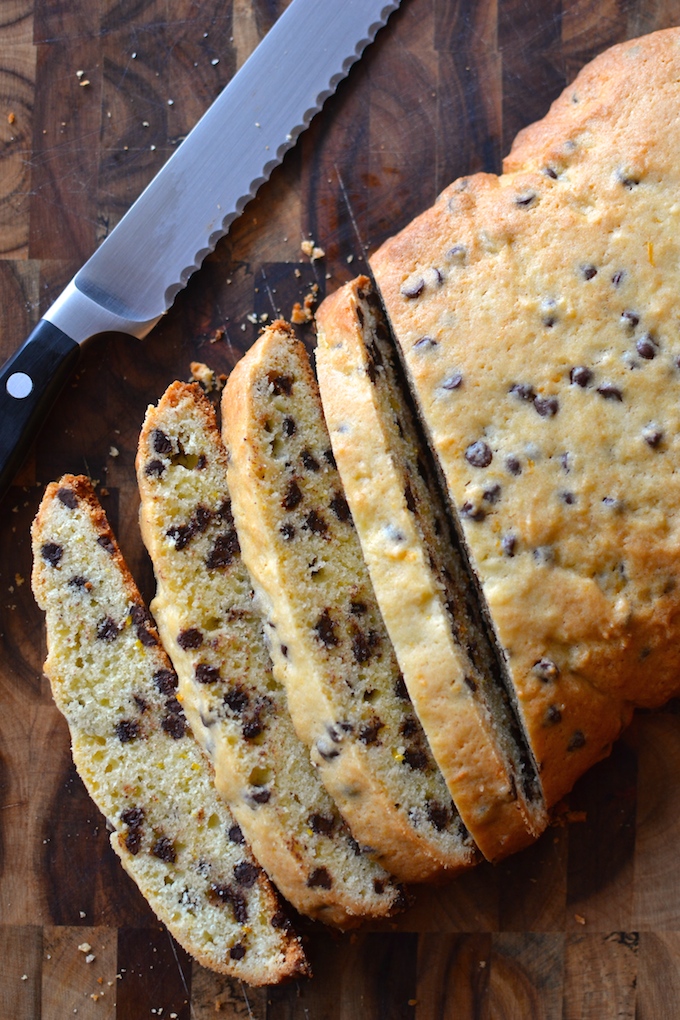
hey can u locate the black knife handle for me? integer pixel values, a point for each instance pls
(29, 384)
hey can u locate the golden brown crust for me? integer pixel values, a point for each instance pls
(376, 451)
(566, 262)
(320, 682)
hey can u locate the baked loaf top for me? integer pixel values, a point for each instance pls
(328, 643)
(213, 634)
(136, 754)
(537, 316)
(420, 581)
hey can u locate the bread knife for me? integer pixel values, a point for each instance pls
(132, 278)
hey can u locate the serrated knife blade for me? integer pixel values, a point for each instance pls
(133, 277)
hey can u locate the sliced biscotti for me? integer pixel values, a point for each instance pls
(420, 580)
(327, 640)
(136, 755)
(237, 710)
(537, 317)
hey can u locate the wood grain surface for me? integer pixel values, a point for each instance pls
(94, 96)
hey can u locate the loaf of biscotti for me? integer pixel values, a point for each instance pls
(419, 577)
(213, 633)
(136, 754)
(536, 313)
(327, 639)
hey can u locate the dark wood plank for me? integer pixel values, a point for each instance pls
(20, 990)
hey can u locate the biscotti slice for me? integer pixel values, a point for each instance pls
(237, 710)
(136, 755)
(537, 317)
(419, 577)
(327, 639)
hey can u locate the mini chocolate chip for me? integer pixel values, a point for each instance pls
(237, 699)
(478, 454)
(378, 886)
(329, 458)
(293, 496)
(201, 462)
(165, 681)
(493, 494)
(580, 375)
(68, 498)
(547, 407)
(127, 730)
(549, 321)
(190, 638)
(609, 391)
(438, 815)
(457, 253)
(509, 544)
(52, 553)
(206, 674)
(340, 507)
(322, 825)
(133, 841)
(358, 608)
(288, 426)
(452, 382)
(523, 391)
(287, 531)
(652, 437)
(237, 952)
(363, 645)
(552, 715)
(235, 835)
(589, 272)
(245, 873)
(627, 181)
(225, 894)
(260, 796)
(174, 724)
(132, 817)
(567, 497)
(647, 347)
(550, 172)
(546, 670)
(284, 651)
(413, 288)
(577, 740)
(320, 878)
(224, 550)
(424, 343)
(161, 443)
(470, 682)
(472, 511)
(315, 523)
(78, 581)
(368, 732)
(400, 689)
(630, 319)
(279, 920)
(154, 467)
(613, 502)
(325, 630)
(618, 277)
(525, 199)
(310, 462)
(107, 543)
(415, 759)
(107, 629)
(282, 384)
(513, 466)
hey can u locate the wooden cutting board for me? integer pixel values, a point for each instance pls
(94, 96)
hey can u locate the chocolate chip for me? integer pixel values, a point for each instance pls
(68, 498)
(647, 347)
(618, 276)
(513, 466)
(457, 253)
(78, 581)
(246, 873)
(315, 523)
(410, 498)
(174, 724)
(550, 172)
(161, 442)
(424, 343)
(552, 715)
(378, 886)
(589, 272)
(523, 391)
(364, 645)
(52, 553)
(452, 382)
(546, 670)
(415, 759)
(165, 681)
(627, 180)
(630, 319)
(288, 426)
(320, 878)
(227, 895)
(237, 699)
(358, 608)
(190, 638)
(493, 494)
(580, 375)
(472, 511)
(525, 199)
(310, 462)
(652, 437)
(237, 952)
(279, 920)
(609, 391)
(478, 454)
(206, 674)
(438, 815)
(260, 796)
(133, 818)
(329, 458)
(325, 630)
(107, 543)
(340, 507)
(368, 732)
(154, 467)
(293, 496)
(547, 407)
(225, 548)
(409, 726)
(235, 835)
(287, 531)
(577, 740)
(413, 288)
(509, 544)
(567, 497)
(127, 730)
(322, 825)
(107, 629)
(282, 384)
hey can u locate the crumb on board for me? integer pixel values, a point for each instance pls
(579, 919)
(312, 250)
(11, 117)
(305, 312)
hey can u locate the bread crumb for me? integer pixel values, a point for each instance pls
(310, 249)
(11, 118)
(114, 451)
(200, 373)
(579, 919)
(84, 947)
(24, 977)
